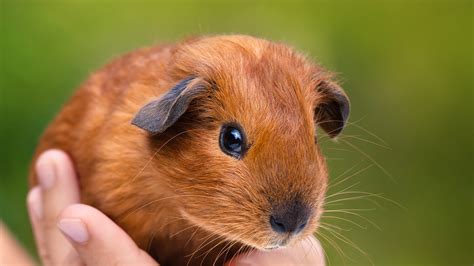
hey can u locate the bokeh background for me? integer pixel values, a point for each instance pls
(406, 65)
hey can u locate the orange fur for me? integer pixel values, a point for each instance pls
(176, 192)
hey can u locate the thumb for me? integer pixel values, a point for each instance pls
(98, 240)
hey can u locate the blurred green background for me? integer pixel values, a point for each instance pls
(406, 65)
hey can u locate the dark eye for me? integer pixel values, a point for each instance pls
(232, 141)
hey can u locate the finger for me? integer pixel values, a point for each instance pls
(98, 240)
(35, 212)
(306, 252)
(59, 189)
(12, 253)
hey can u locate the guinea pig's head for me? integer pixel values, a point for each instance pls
(237, 137)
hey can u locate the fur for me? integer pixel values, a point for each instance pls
(176, 193)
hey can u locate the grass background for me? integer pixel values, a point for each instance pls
(406, 65)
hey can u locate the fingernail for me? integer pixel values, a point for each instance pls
(46, 172)
(34, 202)
(74, 229)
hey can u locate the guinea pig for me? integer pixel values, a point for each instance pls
(204, 149)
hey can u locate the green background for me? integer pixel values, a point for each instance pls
(406, 65)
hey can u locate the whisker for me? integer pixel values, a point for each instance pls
(211, 236)
(306, 252)
(379, 196)
(347, 171)
(338, 249)
(326, 210)
(155, 153)
(370, 133)
(144, 167)
(358, 215)
(126, 214)
(352, 175)
(347, 199)
(341, 191)
(182, 230)
(334, 159)
(350, 243)
(238, 253)
(364, 140)
(346, 220)
(313, 247)
(223, 249)
(228, 250)
(370, 158)
(213, 247)
(339, 149)
(335, 227)
(195, 231)
(151, 240)
(205, 242)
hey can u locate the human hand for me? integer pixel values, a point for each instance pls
(69, 233)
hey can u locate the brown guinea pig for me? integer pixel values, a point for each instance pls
(204, 149)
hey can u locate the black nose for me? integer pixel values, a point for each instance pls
(289, 218)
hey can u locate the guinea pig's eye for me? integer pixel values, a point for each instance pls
(232, 141)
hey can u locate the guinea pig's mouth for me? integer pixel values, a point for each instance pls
(280, 243)
(273, 241)
(272, 247)
(283, 244)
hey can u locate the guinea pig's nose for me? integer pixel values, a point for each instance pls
(289, 218)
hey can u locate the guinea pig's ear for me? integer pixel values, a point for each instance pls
(333, 110)
(158, 115)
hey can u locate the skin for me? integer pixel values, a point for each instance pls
(69, 233)
(11, 251)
